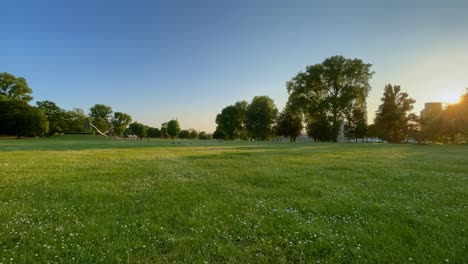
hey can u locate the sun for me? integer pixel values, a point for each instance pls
(450, 98)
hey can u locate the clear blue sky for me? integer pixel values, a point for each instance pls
(188, 59)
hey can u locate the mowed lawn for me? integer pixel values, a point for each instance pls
(93, 200)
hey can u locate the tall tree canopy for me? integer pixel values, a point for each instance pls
(289, 123)
(356, 123)
(260, 117)
(101, 115)
(17, 117)
(120, 122)
(454, 119)
(391, 118)
(153, 132)
(56, 116)
(14, 88)
(326, 92)
(20, 119)
(75, 121)
(173, 128)
(231, 120)
(137, 129)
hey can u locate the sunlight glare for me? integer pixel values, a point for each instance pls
(451, 98)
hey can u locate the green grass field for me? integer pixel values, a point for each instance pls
(88, 199)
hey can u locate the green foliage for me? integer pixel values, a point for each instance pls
(55, 115)
(260, 117)
(164, 133)
(431, 124)
(391, 118)
(454, 119)
(20, 119)
(184, 134)
(326, 92)
(204, 136)
(75, 121)
(193, 133)
(372, 131)
(90, 199)
(231, 120)
(120, 122)
(153, 132)
(137, 129)
(218, 134)
(289, 123)
(101, 116)
(14, 88)
(356, 123)
(173, 128)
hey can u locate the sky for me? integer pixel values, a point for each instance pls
(159, 60)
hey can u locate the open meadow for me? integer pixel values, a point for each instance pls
(95, 200)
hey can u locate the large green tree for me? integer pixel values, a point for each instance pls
(55, 115)
(20, 119)
(392, 116)
(137, 129)
(289, 123)
(193, 133)
(231, 121)
(14, 88)
(164, 133)
(120, 122)
(356, 124)
(260, 117)
(173, 128)
(153, 132)
(75, 121)
(101, 116)
(17, 117)
(325, 92)
(184, 134)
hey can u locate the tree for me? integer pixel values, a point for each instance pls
(173, 128)
(20, 119)
(231, 120)
(326, 92)
(218, 134)
(454, 119)
(17, 117)
(431, 122)
(372, 131)
(137, 129)
(391, 119)
(153, 132)
(75, 121)
(413, 130)
(55, 116)
(193, 133)
(260, 117)
(204, 136)
(289, 123)
(164, 133)
(356, 124)
(101, 115)
(184, 134)
(14, 88)
(120, 122)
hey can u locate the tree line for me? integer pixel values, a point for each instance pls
(19, 118)
(327, 100)
(330, 99)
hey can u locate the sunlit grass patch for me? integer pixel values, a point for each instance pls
(97, 200)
